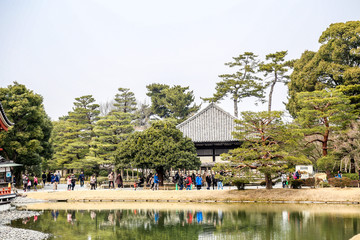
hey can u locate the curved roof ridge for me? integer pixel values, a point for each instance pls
(196, 115)
(3, 117)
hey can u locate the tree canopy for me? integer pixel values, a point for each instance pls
(266, 145)
(73, 134)
(335, 64)
(241, 84)
(321, 113)
(175, 102)
(160, 147)
(27, 142)
(276, 69)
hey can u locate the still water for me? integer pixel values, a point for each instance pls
(203, 221)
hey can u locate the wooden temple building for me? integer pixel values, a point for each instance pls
(5, 166)
(211, 131)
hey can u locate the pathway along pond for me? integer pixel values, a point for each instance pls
(161, 221)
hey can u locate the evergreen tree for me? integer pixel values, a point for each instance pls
(322, 113)
(73, 134)
(176, 102)
(335, 65)
(113, 128)
(160, 147)
(268, 144)
(242, 84)
(27, 142)
(277, 67)
(125, 101)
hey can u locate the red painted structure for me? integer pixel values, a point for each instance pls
(5, 185)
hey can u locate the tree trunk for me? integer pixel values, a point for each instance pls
(160, 173)
(268, 181)
(271, 92)
(326, 138)
(236, 108)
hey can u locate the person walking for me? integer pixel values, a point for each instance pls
(92, 182)
(111, 180)
(151, 181)
(56, 181)
(214, 181)
(81, 179)
(73, 181)
(283, 179)
(208, 181)
(28, 184)
(119, 181)
(68, 181)
(35, 183)
(43, 176)
(181, 182)
(219, 181)
(188, 182)
(25, 181)
(48, 178)
(198, 182)
(156, 182)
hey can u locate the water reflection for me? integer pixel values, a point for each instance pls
(249, 222)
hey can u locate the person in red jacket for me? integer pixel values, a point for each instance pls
(188, 183)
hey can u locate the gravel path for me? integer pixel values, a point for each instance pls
(10, 233)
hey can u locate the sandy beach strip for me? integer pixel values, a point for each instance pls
(320, 195)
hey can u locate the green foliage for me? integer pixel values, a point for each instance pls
(322, 113)
(335, 64)
(241, 84)
(277, 68)
(171, 102)
(125, 101)
(327, 163)
(266, 143)
(240, 183)
(340, 182)
(160, 147)
(73, 133)
(103, 173)
(27, 142)
(351, 176)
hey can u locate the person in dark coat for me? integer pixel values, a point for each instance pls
(180, 182)
(119, 181)
(214, 181)
(208, 181)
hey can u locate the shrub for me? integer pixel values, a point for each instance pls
(100, 180)
(340, 182)
(309, 182)
(240, 183)
(351, 176)
(103, 173)
(324, 184)
(263, 183)
(297, 183)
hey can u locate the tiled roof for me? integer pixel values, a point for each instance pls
(212, 124)
(4, 121)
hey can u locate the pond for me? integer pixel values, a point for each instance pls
(160, 221)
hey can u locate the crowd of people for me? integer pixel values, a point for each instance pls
(152, 181)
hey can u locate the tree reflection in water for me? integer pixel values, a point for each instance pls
(192, 224)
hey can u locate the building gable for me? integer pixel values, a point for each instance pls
(212, 124)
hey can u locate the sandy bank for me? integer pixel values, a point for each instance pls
(328, 195)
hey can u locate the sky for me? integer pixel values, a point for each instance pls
(63, 49)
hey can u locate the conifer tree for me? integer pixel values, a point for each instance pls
(241, 84)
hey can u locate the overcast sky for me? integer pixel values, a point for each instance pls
(66, 49)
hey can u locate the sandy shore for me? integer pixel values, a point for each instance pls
(323, 195)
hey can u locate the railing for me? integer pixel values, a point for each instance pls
(5, 191)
